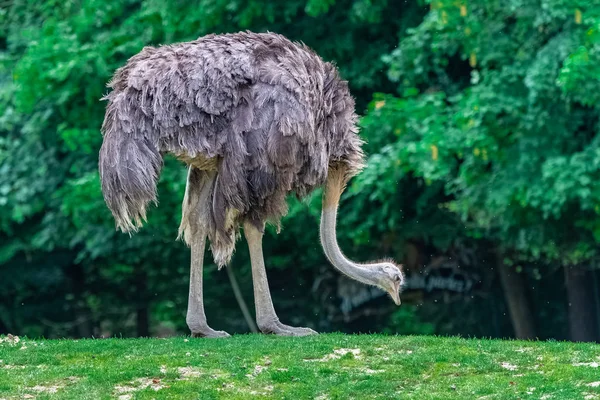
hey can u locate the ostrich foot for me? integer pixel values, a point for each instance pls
(298, 331)
(277, 328)
(207, 332)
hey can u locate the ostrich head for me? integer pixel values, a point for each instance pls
(389, 277)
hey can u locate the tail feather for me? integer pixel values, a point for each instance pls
(129, 170)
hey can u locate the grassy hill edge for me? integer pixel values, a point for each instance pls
(328, 366)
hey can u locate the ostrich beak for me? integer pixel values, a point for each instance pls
(395, 293)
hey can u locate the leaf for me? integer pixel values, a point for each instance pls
(434, 152)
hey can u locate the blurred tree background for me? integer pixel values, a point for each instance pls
(483, 126)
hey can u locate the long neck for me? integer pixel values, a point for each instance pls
(336, 181)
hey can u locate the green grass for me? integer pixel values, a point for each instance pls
(255, 366)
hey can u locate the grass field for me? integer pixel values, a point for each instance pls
(328, 366)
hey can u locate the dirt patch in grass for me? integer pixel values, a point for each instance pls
(125, 391)
(50, 388)
(592, 364)
(337, 354)
(10, 339)
(508, 366)
(189, 372)
(47, 389)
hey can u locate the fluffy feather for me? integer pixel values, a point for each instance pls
(269, 115)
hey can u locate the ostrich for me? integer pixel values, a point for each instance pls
(255, 117)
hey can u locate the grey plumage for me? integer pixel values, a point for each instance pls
(269, 116)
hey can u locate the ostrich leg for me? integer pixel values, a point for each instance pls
(193, 227)
(266, 319)
(196, 318)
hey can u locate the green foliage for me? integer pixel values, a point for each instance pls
(404, 320)
(499, 104)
